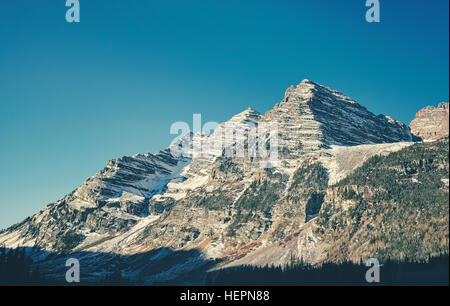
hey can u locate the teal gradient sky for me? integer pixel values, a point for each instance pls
(73, 96)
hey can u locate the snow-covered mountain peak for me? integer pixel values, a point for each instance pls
(306, 90)
(247, 115)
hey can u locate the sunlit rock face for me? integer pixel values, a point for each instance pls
(312, 117)
(431, 123)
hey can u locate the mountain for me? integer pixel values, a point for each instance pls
(431, 123)
(339, 172)
(312, 116)
(111, 201)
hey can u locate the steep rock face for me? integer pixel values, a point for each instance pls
(431, 123)
(312, 117)
(200, 209)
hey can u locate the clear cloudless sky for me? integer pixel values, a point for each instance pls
(73, 96)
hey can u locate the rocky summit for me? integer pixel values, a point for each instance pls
(431, 123)
(312, 117)
(344, 182)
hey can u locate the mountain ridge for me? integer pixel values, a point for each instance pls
(228, 207)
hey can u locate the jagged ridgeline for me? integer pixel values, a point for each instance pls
(347, 185)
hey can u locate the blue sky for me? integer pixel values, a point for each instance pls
(73, 96)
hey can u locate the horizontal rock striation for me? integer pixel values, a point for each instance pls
(431, 123)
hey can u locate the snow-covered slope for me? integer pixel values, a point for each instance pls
(110, 202)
